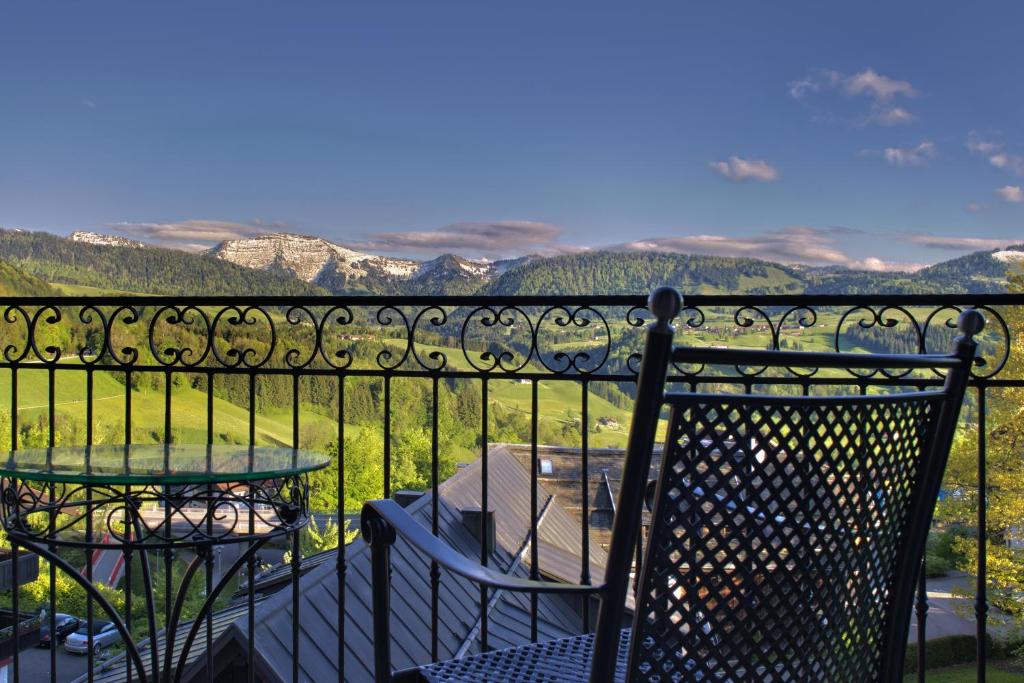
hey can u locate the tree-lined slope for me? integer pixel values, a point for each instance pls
(151, 270)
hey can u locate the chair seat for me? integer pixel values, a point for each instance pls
(554, 661)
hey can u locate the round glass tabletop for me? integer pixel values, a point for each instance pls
(158, 464)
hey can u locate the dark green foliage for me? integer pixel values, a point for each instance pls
(942, 652)
(605, 272)
(445, 277)
(151, 270)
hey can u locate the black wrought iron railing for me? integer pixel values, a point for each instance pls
(401, 390)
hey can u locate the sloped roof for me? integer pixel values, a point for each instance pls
(459, 613)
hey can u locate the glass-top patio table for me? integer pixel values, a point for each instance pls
(155, 497)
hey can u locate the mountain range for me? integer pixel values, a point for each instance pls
(290, 264)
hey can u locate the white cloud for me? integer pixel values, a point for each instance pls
(959, 243)
(994, 151)
(877, 86)
(880, 90)
(738, 169)
(89, 103)
(892, 116)
(975, 207)
(794, 244)
(919, 155)
(1011, 193)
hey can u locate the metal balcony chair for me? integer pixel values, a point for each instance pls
(786, 533)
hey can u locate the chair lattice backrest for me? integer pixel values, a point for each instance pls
(786, 531)
(777, 524)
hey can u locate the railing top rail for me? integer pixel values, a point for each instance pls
(541, 300)
(811, 359)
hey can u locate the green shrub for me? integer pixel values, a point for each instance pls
(951, 650)
(936, 566)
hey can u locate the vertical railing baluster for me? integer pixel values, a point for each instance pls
(168, 553)
(981, 600)
(387, 436)
(89, 388)
(435, 571)
(921, 613)
(16, 588)
(250, 594)
(128, 529)
(534, 539)
(921, 607)
(296, 547)
(14, 407)
(638, 549)
(484, 483)
(128, 406)
(208, 654)
(340, 562)
(15, 607)
(51, 528)
(585, 490)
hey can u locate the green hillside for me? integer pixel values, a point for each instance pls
(14, 282)
(978, 271)
(151, 270)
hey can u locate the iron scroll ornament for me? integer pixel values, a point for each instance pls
(560, 338)
(199, 514)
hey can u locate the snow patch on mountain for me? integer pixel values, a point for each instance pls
(90, 237)
(310, 257)
(1009, 255)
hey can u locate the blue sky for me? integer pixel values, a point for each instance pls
(872, 134)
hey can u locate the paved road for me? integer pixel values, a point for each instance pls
(949, 614)
(35, 665)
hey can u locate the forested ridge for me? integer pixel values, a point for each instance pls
(151, 270)
(604, 272)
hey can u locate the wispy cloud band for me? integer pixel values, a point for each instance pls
(795, 244)
(925, 239)
(192, 235)
(491, 239)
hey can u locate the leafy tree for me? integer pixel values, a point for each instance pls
(1005, 480)
(314, 540)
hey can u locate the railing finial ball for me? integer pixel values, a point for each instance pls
(971, 322)
(665, 303)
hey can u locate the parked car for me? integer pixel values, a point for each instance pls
(104, 634)
(65, 626)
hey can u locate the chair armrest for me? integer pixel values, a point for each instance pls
(397, 521)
